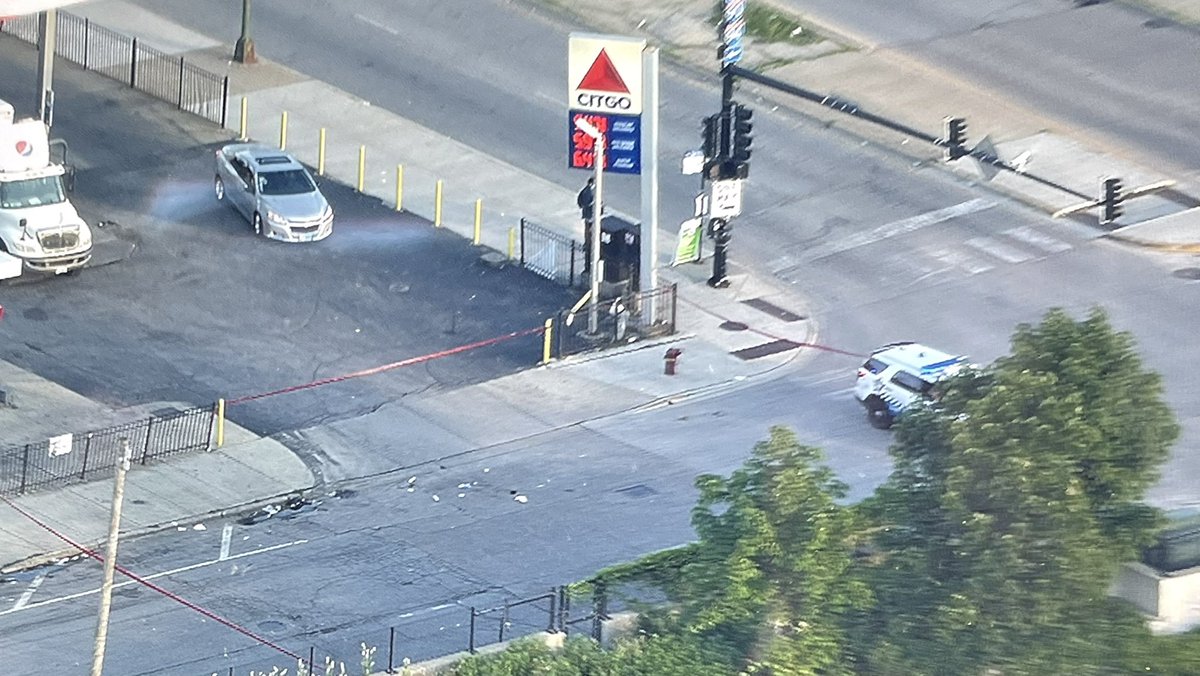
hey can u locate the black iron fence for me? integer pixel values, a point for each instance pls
(74, 458)
(123, 58)
(549, 254)
(622, 319)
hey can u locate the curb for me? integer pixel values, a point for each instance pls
(1165, 247)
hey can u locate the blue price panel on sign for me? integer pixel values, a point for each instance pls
(622, 142)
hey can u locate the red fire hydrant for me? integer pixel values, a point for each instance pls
(670, 359)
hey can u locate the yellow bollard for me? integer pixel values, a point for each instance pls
(242, 136)
(283, 131)
(437, 205)
(362, 166)
(399, 187)
(220, 423)
(546, 336)
(321, 154)
(478, 221)
(512, 243)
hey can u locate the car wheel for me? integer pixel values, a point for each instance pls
(219, 188)
(878, 414)
(258, 224)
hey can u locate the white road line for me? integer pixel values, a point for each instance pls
(430, 609)
(897, 228)
(961, 260)
(829, 377)
(37, 582)
(998, 249)
(226, 535)
(372, 22)
(184, 569)
(1038, 239)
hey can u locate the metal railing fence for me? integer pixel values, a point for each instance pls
(549, 254)
(624, 319)
(120, 57)
(75, 458)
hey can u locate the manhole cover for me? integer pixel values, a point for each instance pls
(1191, 274)
(734, 326)
(271, 626)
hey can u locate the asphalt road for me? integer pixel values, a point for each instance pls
(1111, 69)
(885, 250)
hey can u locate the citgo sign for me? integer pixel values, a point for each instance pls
(604, 74)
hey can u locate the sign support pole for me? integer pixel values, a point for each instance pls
(648, 266)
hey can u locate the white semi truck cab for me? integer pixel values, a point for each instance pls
(38, 225)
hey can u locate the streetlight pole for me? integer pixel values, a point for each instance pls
(597, 137)
(110, 562)
(243, 51)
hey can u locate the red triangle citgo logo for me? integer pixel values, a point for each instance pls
(603, 76)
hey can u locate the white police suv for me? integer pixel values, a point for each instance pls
(896, 375)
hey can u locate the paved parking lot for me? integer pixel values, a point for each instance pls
(204, 309)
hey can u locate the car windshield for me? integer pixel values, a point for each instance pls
(33, 192)
(289, 182)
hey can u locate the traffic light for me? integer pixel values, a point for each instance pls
(1110, 200)
(955, 138)
(711, 131)
(742, 140)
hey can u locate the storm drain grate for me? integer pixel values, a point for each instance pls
(1190, 274)
(773, 310)
(637, 491)
(773, 347)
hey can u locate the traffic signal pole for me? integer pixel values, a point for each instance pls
(721, 228)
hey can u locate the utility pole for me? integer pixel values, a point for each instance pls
(110, 561)
(243, 51)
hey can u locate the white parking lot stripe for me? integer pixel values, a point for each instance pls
(998, 249)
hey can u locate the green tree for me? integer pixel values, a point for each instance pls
(1012, 502)
(773, 572)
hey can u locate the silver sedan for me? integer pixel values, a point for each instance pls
(273, 191)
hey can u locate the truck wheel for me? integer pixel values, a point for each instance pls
(258, 224)
(219, 188)
(878, 414)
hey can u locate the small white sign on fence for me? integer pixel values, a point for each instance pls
(60, 445)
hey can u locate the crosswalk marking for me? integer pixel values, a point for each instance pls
(998, 249)
(896, 228)
(1038, 239)
(962, 260)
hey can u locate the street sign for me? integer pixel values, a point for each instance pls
(622, 142)
(726, 198)
(604, 74)
(687, 247)
(733, 31)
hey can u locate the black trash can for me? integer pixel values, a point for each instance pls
(621, 250)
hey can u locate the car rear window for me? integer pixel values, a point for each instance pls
(911, 383)
(874, 366)
(289, 182)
